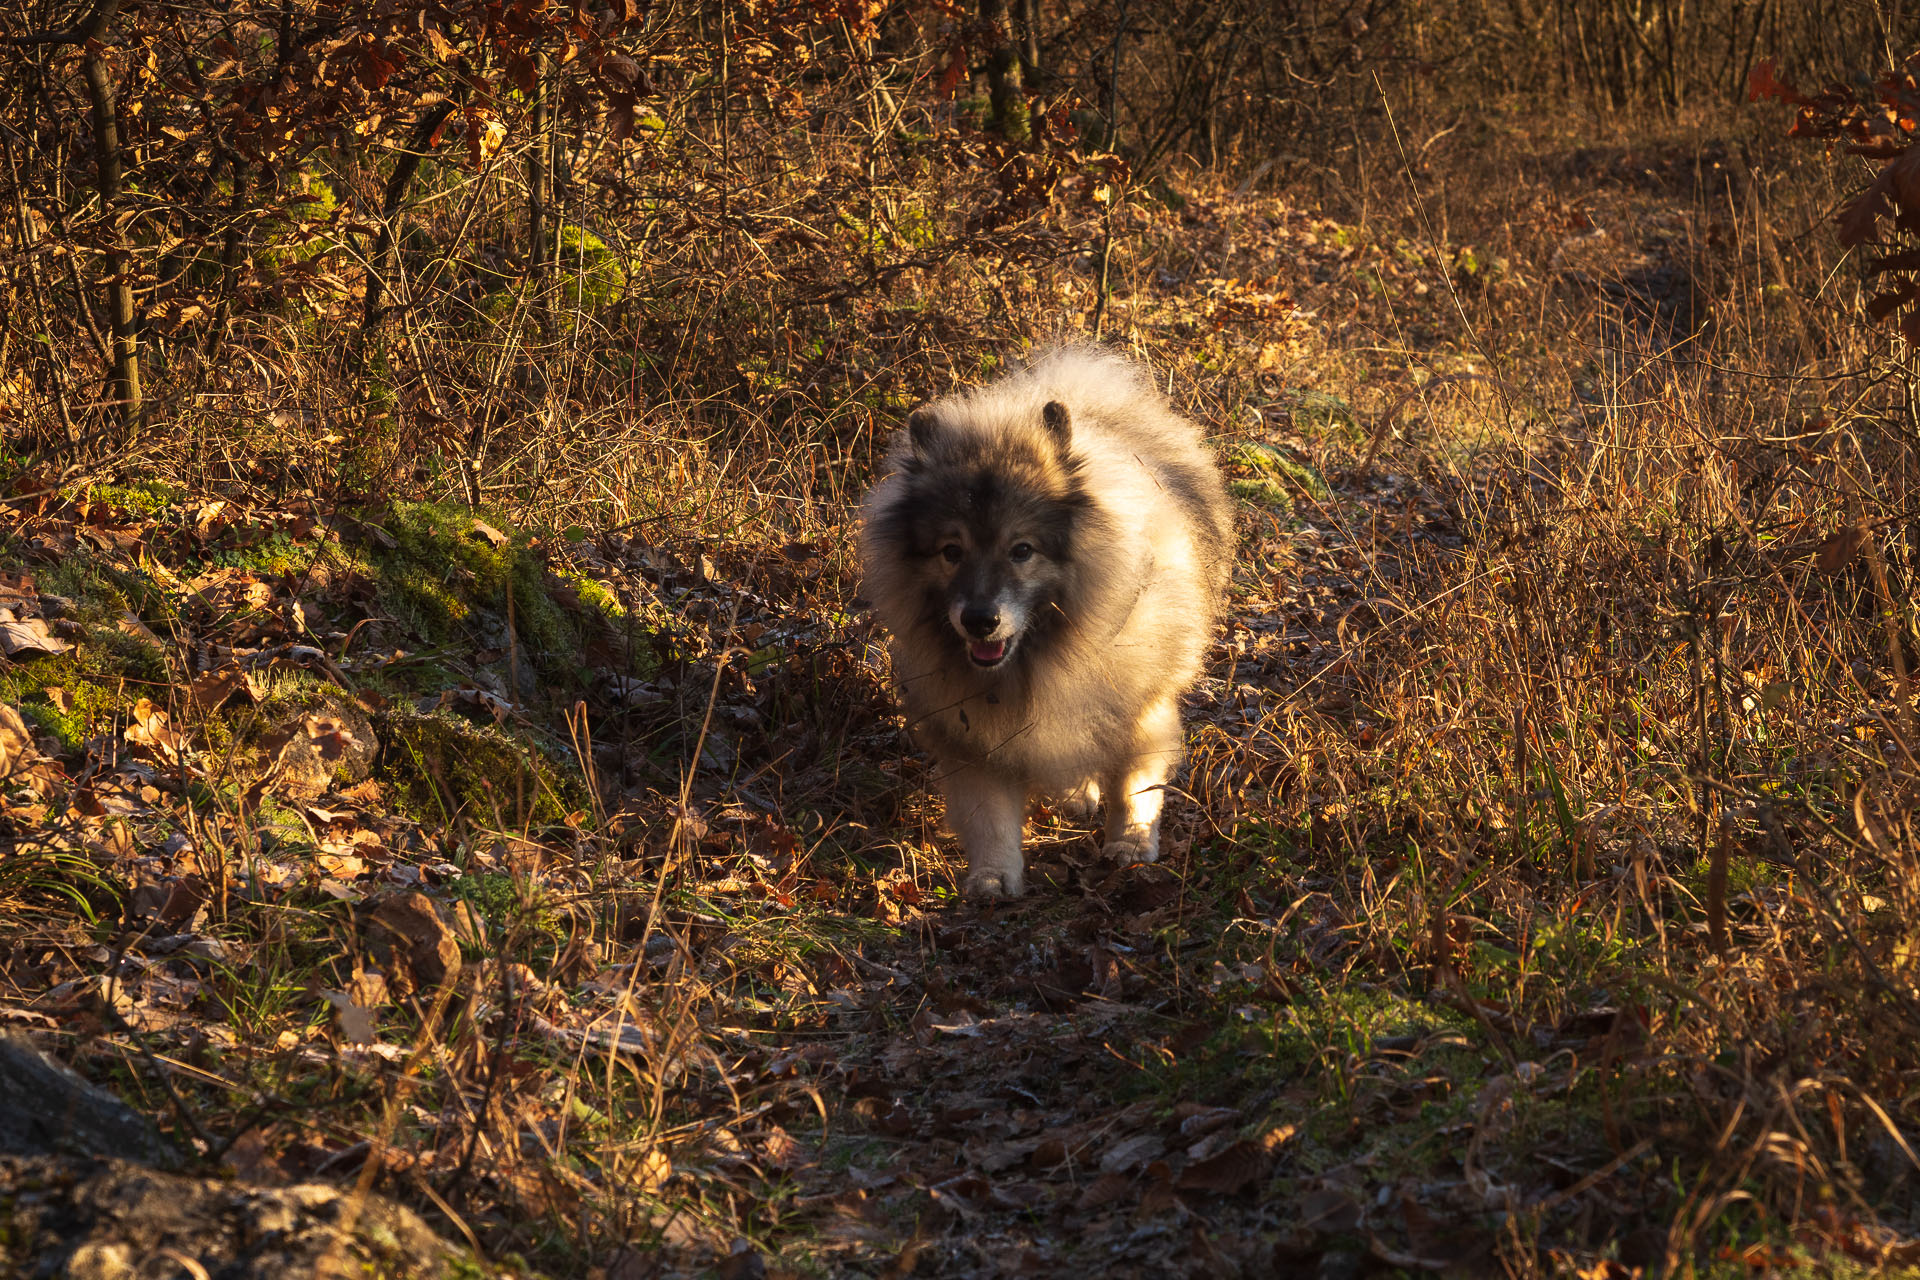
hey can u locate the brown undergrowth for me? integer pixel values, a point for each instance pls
(1539, 895)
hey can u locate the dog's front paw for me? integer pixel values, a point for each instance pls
(1127, 850)
(985, 885)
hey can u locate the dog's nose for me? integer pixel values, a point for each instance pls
(978, 621)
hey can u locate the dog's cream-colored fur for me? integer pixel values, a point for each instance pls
(1088, 709)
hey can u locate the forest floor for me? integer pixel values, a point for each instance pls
(435, 851)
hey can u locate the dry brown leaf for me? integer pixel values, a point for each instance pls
(652, 1174)
(209, 692)
(780, 1150)
(409, 933)
(1104, 1190)
(341, 866)
(16, 744)
(1225, 1173)
(1197, 1120)
(29, 639)
(150, 728)
(1839, 548)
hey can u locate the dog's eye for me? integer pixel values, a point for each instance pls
(952, 553)
(1021, 551)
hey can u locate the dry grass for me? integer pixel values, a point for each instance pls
(1546, 875)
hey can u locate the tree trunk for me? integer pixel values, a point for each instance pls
(1005, 88)
(124, 385)
(1029, 31)
(396, 195)
(538, 180)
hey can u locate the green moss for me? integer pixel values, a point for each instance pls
(441, 568)
(590, 273)
(445, 766)
(1263, 492)
(311, 201)
(1274, 471)
(99, 678)
(594, 594)
(450, 585)
(142, 498)
(321, 201)
(1322, 411)
(277, 553)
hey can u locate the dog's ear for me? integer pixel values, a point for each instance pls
(1059, 423)
(922, 428)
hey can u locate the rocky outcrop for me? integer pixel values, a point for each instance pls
(93, 1219)
(86, 1193)
(45, 1109)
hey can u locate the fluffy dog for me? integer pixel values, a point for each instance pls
(1049, 554)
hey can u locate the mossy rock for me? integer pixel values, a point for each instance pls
(317, 736)
(1324, 413)
(454, 576)
(446, 766)
(1274, 472)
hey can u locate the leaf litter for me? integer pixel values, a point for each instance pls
(721, 980)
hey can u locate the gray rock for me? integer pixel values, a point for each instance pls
(45, 1109)
(73, 1204)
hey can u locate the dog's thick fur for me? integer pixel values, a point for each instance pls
(1049, 553)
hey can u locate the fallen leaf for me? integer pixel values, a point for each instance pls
(355, 1022)
(29, 639)
(410, 934)
(1226, 1173)
(16, 744)
(1104, 1190)
(1839, 549)
(210, 691)
(1131, 1153)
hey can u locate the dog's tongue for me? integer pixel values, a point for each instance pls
(989, 650)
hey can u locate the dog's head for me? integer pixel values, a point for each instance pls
(985, 521)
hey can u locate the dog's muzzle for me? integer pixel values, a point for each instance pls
(977, 625)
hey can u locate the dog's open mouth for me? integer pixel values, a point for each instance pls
(987, 653)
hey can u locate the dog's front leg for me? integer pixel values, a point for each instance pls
(986, 813)
(1135, 789)
(1133, 814)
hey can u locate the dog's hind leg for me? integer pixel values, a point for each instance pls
(1135, 788)
(986, 813)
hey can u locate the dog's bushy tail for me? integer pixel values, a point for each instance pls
(1091, 379)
